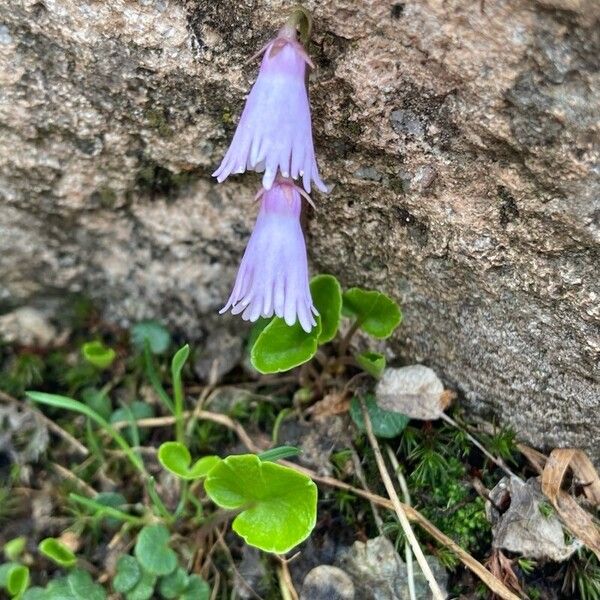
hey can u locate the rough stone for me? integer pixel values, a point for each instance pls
(327, 583)
(219, 354)
(252, 574)
(27, 326)
(462, 139)
(524, 528)
(378, 572)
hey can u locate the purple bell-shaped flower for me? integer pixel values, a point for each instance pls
(274, 132)
(273, 275)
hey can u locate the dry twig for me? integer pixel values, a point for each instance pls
(286, 585)
(391, 490)
(407, 551)
(52, 426)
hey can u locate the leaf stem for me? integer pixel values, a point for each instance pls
(155, 380)
(157, 501)
(183, 498)
(176, 366)
(109, 511)
(286, 586)
(345, 343)
(404, 522)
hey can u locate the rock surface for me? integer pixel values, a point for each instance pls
(327, 583)
(462, 139)
(378, 572)
(524, 527)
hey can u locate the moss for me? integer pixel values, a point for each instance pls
(157, 120)
(397, 184)
(157, 180)
(227, 117)
(105, 197)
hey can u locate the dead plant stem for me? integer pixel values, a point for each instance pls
(391, 490)
(410, 575)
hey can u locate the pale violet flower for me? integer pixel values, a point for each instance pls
(273, 276)
(275, 131)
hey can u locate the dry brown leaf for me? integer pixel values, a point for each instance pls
(331, 404)
(579, 521)
(415, 391)
(536, 458)
(584, 471)
(501, 567)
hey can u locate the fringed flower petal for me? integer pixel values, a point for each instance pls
(273, 275)
(274, 133)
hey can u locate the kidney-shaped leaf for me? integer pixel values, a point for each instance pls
(153, 334)
(153, 552)
(326, 293)
(15, 547)
(173, 585)
(36, 593)
(57, 552)
(415, 391)
(136, 411)
(278, 504)
(98, 354)
(371, 362)
(144, 588)
(197, 589)
(17, 580)
(280, 347)
(386, 424)
(128, 574)
(176, 458)
(83, 587)
(376, 313)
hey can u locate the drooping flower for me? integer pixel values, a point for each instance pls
(275, 131)
(273, 275)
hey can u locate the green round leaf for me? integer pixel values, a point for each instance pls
(17, 580)
(135, 411)
(278, 504)
(36, 593)
(98, 401)
(326, 293)
(99, 355)
(152, 333)
(153, 552)
(57, 552)
(112, 499)
(385, 424)
(174, 584)
(256, 330)
(280, 347)
(4, 571)
(197, 589)
(83, 587)
(14, 548)
(144, 588)
(376, 313)
(59, 589)
(371, 362)
(128, 574)
(176, 458)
